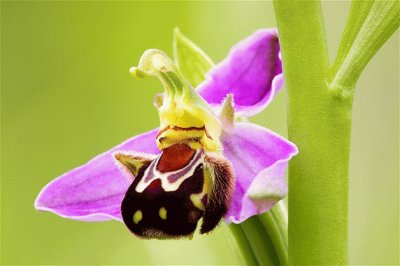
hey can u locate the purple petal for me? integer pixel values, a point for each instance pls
(252, 72)
(93, 191)
(259, 158)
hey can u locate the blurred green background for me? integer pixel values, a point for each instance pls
(66, 96)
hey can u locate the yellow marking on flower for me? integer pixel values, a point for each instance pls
(137, 216)
(163, 213)
(196, 200)
(167, 142)
(195, 137)
(181, 106)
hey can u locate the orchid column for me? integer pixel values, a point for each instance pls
(319, 119)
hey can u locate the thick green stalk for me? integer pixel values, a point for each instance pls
(319, 121)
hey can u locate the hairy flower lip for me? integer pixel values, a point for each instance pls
(94, 191)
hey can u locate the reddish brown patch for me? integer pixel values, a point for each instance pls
(155, 186)
(188, 128)
(175, 157)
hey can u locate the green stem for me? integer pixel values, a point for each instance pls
(260, 242)
(319, 122)
(275, 223)
(263, 239)
(246, 254)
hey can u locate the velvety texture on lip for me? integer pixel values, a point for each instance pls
(252, 73)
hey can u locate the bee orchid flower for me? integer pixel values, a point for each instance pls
(200, 164)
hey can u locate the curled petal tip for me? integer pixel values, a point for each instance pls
(137, 73)
(248, 72)
(151, 62)
(260, 159)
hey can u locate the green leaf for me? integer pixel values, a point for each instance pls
(193, 62)
(369, 26)
(359, 11)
